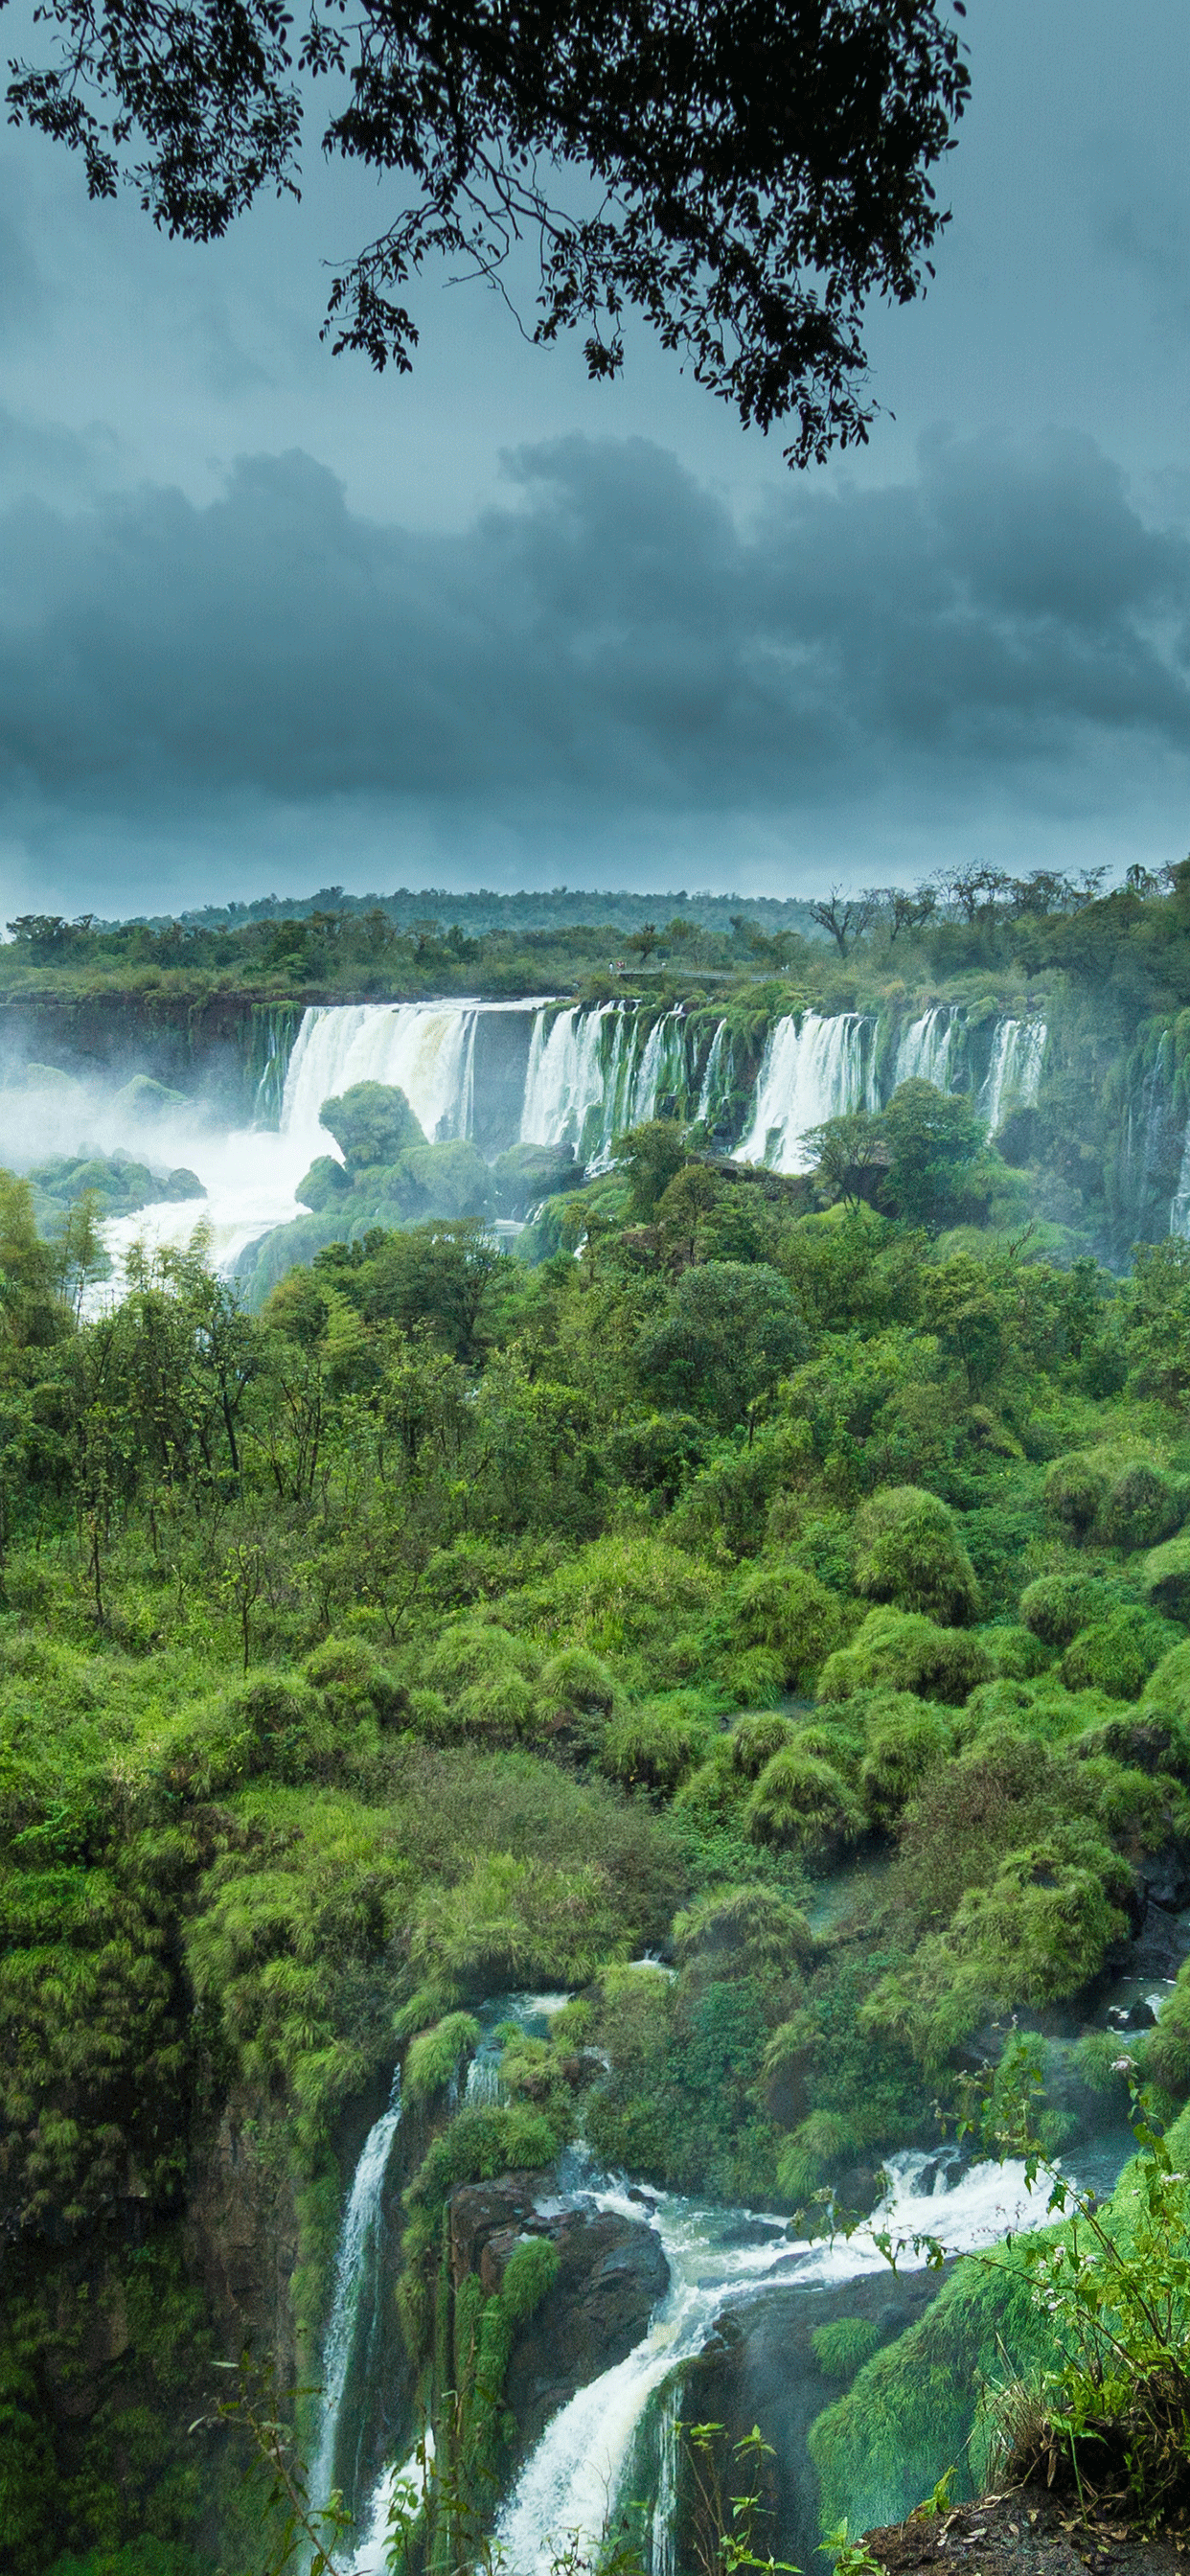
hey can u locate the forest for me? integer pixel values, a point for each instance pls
(748, 1609)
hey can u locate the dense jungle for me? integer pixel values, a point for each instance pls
(539, 1759)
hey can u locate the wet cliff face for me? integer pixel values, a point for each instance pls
(761, 2368)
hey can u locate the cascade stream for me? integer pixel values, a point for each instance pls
(358, 2292)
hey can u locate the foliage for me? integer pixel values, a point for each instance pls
(842, 2347)
(908, 1552)
(705, 212)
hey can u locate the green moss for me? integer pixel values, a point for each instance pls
(842, 2347)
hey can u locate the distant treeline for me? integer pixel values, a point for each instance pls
(558, 908)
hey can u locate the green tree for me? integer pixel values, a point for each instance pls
(758, 175)
(730, 1332)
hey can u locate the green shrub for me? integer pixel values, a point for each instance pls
(1145, 1740)
(434, 2058)
(652, 1747)
(909, 1552)
(576, 1679)
(745, 1932)
(754, 1740)
(1142, 1506)
(902, 1650)
(800, 1802)
(353, 1680)
(1038, 1933)
(1118, 1653)
(470, 1653)
(1058, 1605)
(1016, 1653)
(1075, 1491)
(842, 2347)
(503, 1709)
(787, 1611)
(1165, 2051)
(903, 1746)
(1165, 1578)
(372, 1124)
(824, 2140)
(1168, 1688)
(752, 1678)
(529, 2274)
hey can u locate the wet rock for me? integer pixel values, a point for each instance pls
(611, 2273)
(760, 2368)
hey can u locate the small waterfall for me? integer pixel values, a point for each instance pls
(1179, 1212)
(663, 2528)
(716, 1080)
(407, 2486)
(1015, 1070)
(358, 2268)
(924, 1049)
(718, 2257)
(565, 1080)
(813, 1069)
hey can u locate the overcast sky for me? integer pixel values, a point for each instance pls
(268, 622)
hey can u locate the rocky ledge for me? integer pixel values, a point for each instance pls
(1030, 2531)
(611, 2274)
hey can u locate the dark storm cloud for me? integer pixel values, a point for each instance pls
(611, 637)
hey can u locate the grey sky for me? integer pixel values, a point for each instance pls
(494, 623)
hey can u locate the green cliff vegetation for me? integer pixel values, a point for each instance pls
(798, 1597)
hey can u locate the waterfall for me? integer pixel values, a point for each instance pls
(923, 1051)
(716, 1080)
(812, 1069)
(565, 1080)
(426, 1048)
(1015, 1070)
(405, 2487)
(358, 2267)
(570, 2482)
(663, 2529)
(1179, 1212)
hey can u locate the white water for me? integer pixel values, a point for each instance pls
(717, 1075)
(923, 1050)
(717, 2259)
(564, 1082)
(812, 1070)
(425, 1049)
(359, 2244)
(663, 2531)
(1015, 1070)
(407, 2484)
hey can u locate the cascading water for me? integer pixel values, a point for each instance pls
(717, 2258)
(812, 1069)
(716, 1080)
(565, 1080)
(1015, 1070)
(924, 1050)
(663, 2528)
(358, 2285)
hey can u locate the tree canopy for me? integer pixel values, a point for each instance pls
(746, 175)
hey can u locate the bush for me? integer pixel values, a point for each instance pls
(801, 1802)
(372, 1123)
(841, 2348)
(652, 1748)
(901, 1650)
(1057, 1606)
(1118, 1653)
(904, 1744)
(576, 1679)
(353, 1680)
(1166, 2050)
(1145, 1740)
(1165, 1578)
(745, 1932)
(909, 1552)
(1142, 1506)
(1168, 1688)
(790, 1613)
(754, 1740)
(823, 2140)
(529, 2274)
(435, 2056)
(1075, 1490)
(1016, 1653)
(472, 1653)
